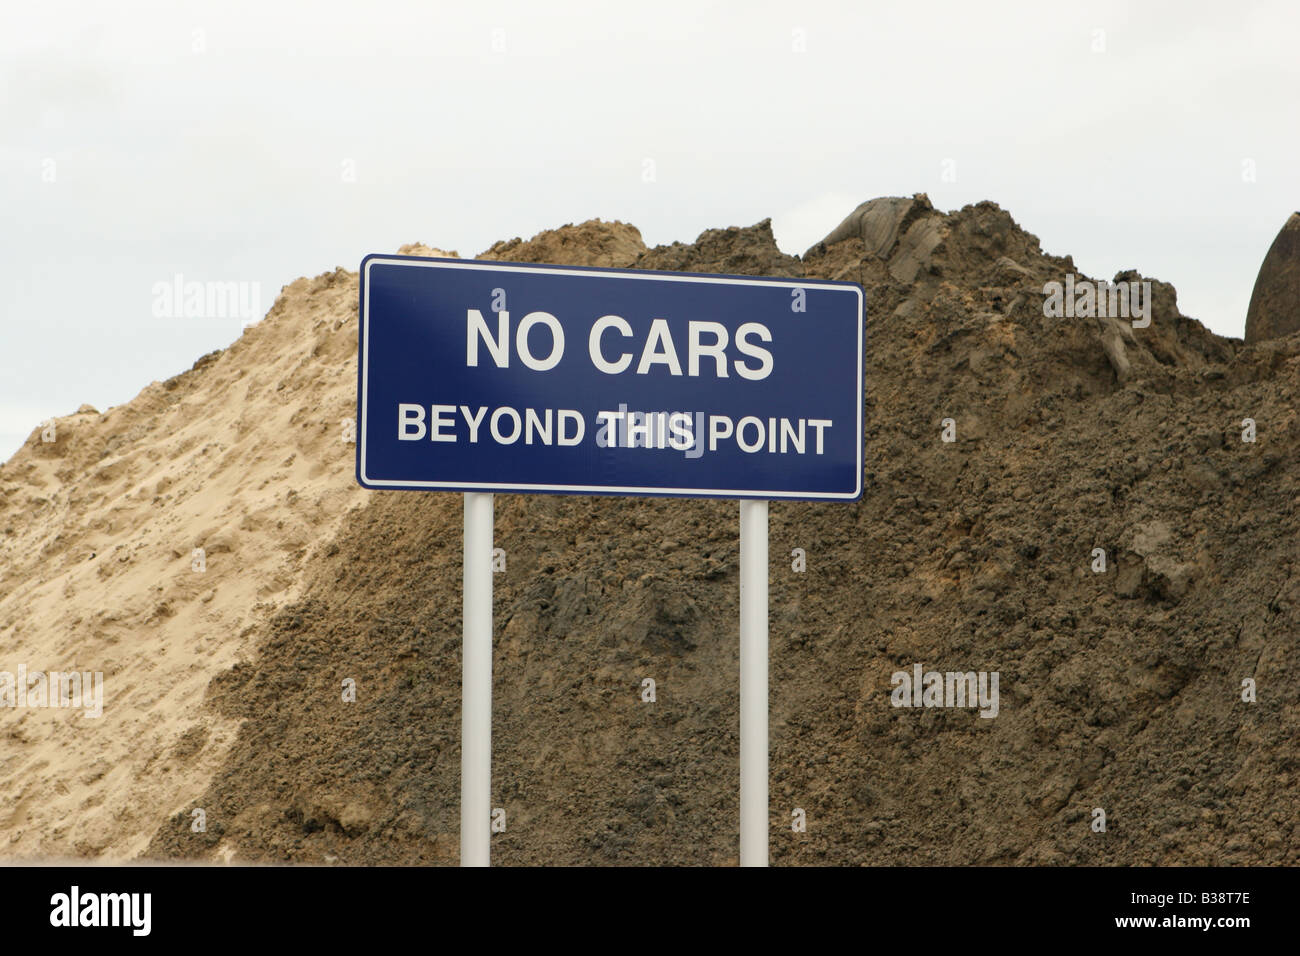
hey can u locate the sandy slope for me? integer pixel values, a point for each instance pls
(243, 456)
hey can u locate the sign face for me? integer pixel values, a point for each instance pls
(513, 377)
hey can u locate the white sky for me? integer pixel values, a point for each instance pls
(226, 164)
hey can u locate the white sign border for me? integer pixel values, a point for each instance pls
(709, 278)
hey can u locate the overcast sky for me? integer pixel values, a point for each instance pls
(259, 141)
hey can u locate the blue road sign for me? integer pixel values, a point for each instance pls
(514, 377)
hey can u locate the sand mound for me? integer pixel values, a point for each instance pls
(613, 245)
(243, 457)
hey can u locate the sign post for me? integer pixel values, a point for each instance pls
(476, 684)
(753, 683)
(491, 377)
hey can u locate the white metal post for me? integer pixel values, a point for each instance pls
(476, 685)
(753, 683)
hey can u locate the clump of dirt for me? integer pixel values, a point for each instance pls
(592, 243)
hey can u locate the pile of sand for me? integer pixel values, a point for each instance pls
(1119, 690)
(242, 457)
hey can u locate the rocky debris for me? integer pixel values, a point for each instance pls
(903, 232)
(1275, 302)
(1006, 271)
(879, 223)
(1148, 564)
(1115, 334)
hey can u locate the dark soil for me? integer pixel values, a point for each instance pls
(1119, 690)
